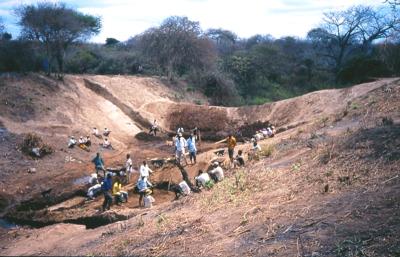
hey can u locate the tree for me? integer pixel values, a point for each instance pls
(111, 41)
(343, 32)
(224, 40)
(57, 27)
(177, 46)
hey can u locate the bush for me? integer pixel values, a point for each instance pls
(32, 141)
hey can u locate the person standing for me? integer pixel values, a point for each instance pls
(231, 141)
(99, 164)
(180, 144)
(154, 128)
(106, 188)
(145, 170)
(191, 144)
(128, 167)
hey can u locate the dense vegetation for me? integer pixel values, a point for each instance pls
(349, 46)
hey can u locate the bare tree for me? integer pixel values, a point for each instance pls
(344, 31)
(57, 27)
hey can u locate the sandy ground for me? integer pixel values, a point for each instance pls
(316, 189)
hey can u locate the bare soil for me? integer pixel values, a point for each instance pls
(326, 185)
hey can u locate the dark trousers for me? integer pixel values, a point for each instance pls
(192, 156)
(107, 200)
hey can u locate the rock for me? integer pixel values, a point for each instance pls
(32, 170)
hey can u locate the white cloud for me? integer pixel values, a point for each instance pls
(125, 18)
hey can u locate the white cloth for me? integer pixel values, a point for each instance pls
(219, 173)
(72, 142)
(145, 171)
(81, 141)
(203, 178)
(185, 188)
(148, 201)
(95, 132)
(180, 144)
(256, 148)
(93, 190)
(106, 143)
(128, 165)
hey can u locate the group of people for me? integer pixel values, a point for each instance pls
(111, 185)
(181, 144)
(83, 142)
(264, 133)
(106, 143)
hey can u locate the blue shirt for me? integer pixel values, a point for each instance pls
(191, 143)
(98, 162)
(107, 184)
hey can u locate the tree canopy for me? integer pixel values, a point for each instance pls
(56, 26)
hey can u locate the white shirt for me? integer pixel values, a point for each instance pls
(203, 178)
(145, 171)
(180, 144)
(106, 143)
(72, 141)
(95, 132)
(256, 148)
(218, 172)
(81, 141)
(128, 165)
(185, 188)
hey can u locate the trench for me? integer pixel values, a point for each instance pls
(24, 215)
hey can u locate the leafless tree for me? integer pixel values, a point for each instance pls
(344, 31)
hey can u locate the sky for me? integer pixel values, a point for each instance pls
(122, 19)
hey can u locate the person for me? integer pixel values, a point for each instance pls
(93, 191)
(148, 200)
(143, 187)
(202, 179)
(273, 130)
(191, 144)
(82, 144)
(239, 160)
(182, 189)
(180, 144)
(106, 132)
(99, 164)
(71, 142)
(128, 167)
(269, 132)
(217, 174)
(106, 188)
(154, 128)
(180, 130)
(196, 134)
(93, 179)
(256, 147)
(96, 132)
(145, 170)
(231, 141)
(88, 141)
(120, 196)
(258, 136)
(185, 177)
(107, 144)
(264, 131)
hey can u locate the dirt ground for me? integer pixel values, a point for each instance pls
(326, 185)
